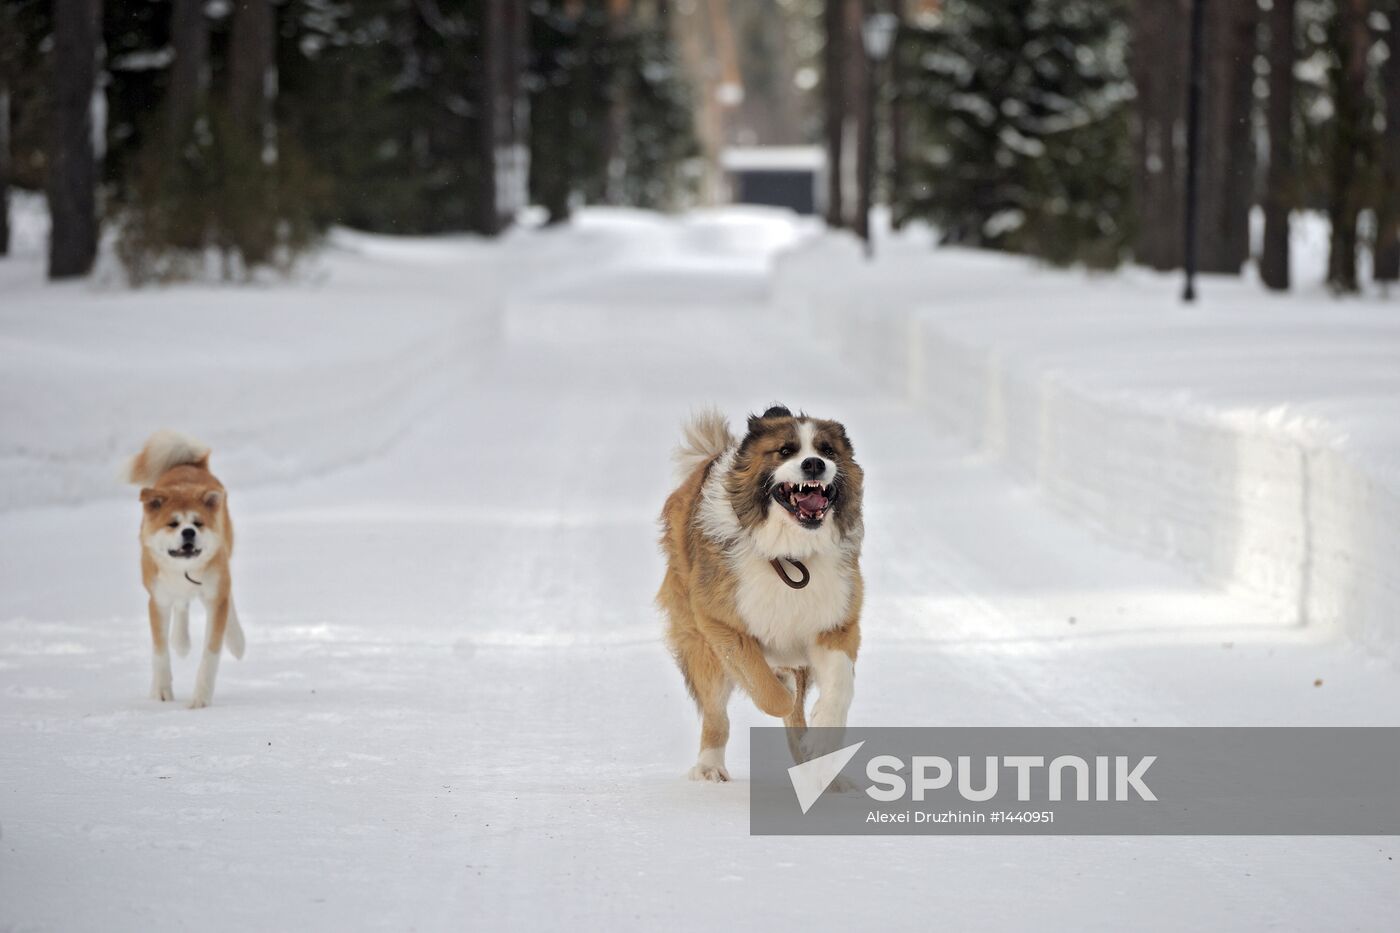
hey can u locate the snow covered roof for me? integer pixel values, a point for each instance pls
(773, 159)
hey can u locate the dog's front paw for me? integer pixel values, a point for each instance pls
(817, 742)
(199, 702)
(708, 772)
(162, 692)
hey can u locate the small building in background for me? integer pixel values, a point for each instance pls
(778, 176)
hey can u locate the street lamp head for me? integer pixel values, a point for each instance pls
(877, 32)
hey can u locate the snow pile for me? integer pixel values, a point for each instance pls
(1252, 438)
(280, 380)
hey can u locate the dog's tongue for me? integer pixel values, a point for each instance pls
(811, 502)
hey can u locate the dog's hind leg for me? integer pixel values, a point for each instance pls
(161, 688)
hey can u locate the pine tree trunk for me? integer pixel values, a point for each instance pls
(189, 75)
(250, 67)
(72, 162)
(897, 118)
(488, 114)
(858, 79)
(1388, 233)
(1278, 194)
(1160, 46)
(4, 168)
(517, 111)
(1227, 151)
(616, 126)
(833, 91)
(550, 106)
(1351, 38)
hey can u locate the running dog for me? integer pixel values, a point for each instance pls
(763, 586)
(186, 543)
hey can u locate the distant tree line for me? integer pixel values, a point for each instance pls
(243, 129)
(1057, 128)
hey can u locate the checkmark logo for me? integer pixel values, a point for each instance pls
(811, 778)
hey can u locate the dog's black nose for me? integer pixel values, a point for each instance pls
(813, 467)
(188, 534)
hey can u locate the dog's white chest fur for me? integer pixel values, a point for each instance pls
(787, 621)
(174, 586)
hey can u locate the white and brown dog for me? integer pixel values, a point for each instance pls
(763, 585)
(186, 543)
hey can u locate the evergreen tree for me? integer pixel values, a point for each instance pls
(1278, 195)
(72, 160)
(1019, 107)
(585, 67)
(1388, 216)
(658, 139)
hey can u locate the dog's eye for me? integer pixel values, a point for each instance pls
(199, 524)
(827, 450)
(172, 524)
(787, 450)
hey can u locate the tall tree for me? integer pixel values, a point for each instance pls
(4, 166)
(1279, 182)
(189, 73)
(1227, 145)
(1388, 232)
(1351, 40)
(1023, 110)
(897, 117)
(489, 101)
(834, 94)
(860, 87)
(72, 160)
(251, 75)
(1160, 45)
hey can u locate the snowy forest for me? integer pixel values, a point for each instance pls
(1055, 129)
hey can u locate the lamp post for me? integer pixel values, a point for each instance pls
(877, 34)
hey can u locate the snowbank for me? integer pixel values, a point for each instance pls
(290, 378)
(279, 381)
(282, 379)
(1254, 439)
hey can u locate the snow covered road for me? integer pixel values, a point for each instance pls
(456, 711)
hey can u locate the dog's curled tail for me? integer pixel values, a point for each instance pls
(164, 450)
(706, 437)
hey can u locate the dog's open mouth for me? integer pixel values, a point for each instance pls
(807, 502)
(185, 552)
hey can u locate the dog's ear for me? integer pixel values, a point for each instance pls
(774, 411)
(153, 499)
(212, 498)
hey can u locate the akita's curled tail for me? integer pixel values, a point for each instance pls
(706, 437)
(164, 450)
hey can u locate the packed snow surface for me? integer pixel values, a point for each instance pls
(445, 460)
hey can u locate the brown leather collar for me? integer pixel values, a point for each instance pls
(777, 563)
